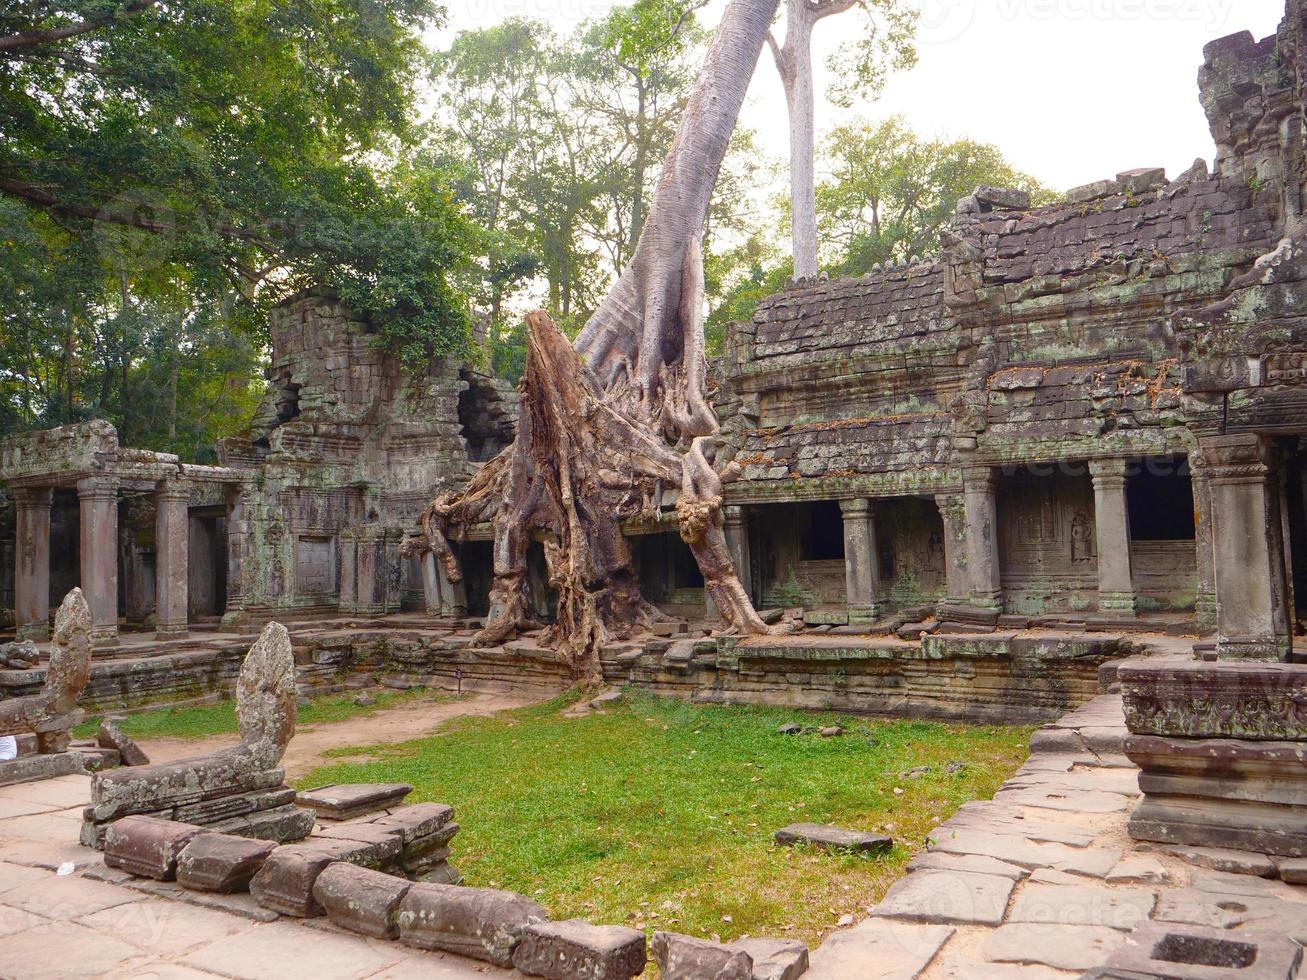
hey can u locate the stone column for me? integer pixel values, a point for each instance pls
(171, 557)
(348, 548)
(1116, 589)
(238, 536)
(453, 595)
(861, 575)
(984, 583)
(430, 584)
(32, 565)
(953, 512)
(98, 497)
(1205, 595)
(1251, 618)
(736, 529)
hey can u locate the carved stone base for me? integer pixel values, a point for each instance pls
(1249, 648)
(1221, 793)
(1262, 701)
(1117, 602)
(861, 614)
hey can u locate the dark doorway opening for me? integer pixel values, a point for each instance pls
(478, 561)
(1160, 497)
(823, 536)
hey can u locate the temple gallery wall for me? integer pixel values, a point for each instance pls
(1086, 416)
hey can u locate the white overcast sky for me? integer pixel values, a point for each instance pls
(1071, 90)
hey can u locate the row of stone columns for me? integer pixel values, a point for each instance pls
(98, 557)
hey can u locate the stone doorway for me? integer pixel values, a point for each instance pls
(207, 572)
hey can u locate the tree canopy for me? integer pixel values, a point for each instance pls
(170, 170)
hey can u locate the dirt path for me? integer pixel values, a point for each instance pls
(412, 719)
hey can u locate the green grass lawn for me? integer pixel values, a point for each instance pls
(203, 721)
(659, 814)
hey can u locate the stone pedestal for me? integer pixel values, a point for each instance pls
(981, 509)
(172, 559)
(32, 572)
(1252, 619)
(953, 512)
(1116, 590)
(861, 576)
(98, 498)
(1222, 749)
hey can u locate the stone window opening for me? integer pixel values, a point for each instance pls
(1160, 498)
(483, 418)
(823, 537)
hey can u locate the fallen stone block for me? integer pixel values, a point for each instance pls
(479, 922)
(686, 958)
(1293, 870)
(147, 846)
(775, 959)
(221, 862)
(285, 882)
(346, 801)
(577, 950)
(384, 843)
(360, 899)
(1180, 952)
(832, 838)
(110, 736)
(415, 820)
(955, 897)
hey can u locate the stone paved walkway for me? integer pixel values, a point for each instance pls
(1043, 881)
(91, 924)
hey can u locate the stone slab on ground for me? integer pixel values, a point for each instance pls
(1138, 869)
(60, 950)
(1063, 947)
(1198, 953)
(687, 958)
(832, 838)
(147, 846)
(1082, 905)
(937, 896)
(775, 959)
(221, 862)
(285, 882)
(577, 950)
(1233, 911)
(973, 863)
(345, 801)
(1223, 859)
(878, 948)
(300, 951)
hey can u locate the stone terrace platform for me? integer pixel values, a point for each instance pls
(98, 922)
(1043, 881)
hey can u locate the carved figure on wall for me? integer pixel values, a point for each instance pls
(1082, 537)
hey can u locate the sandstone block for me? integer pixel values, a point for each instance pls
(285, 882)
(947, 897)
(478, 922)
(345, 801)
(360, 899)
(110, 736)
(577, 950)
(686, 958)
(147, 846)
(221, 862)
(416, 820)
(1199, 953)
(832, 838)
(775, 959)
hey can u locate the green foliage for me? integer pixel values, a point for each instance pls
(170, 171)
(890, 192)
(885, 43)
(659, 814)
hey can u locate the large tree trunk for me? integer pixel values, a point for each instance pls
(606, 426)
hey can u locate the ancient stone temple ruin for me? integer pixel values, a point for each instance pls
(974, 477)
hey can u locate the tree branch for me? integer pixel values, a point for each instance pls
(32, 39)
(828, 8)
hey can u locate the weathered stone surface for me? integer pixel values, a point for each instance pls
(577, 950)
(1216, 700)
(146, 846)
(832, 838)
(478, 922)
(285, 882)
(345, 801)
(1224, 859)
(971, 863)
(775, 959)
(1197, 953)
(214, 862)
(1082, 905)
(878, 948)
(51, 713)
(110, 736)
(360, 899)
(1138, 869)
(686, 958)
(947, 897)
(19, 655)
(1234, 910)
(1063, 947)
(1293, 870)
(415, 820)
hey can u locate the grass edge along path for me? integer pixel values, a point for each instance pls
(659, 814)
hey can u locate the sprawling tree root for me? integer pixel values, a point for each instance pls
(604, 428)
